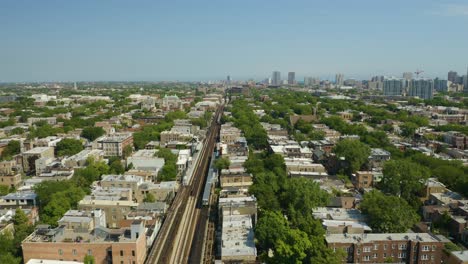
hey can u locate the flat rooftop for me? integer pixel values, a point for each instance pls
(144, 153)
(49, 261)
(369, 238)
(461, 255)
(237, 236)
(341, 214)
(37, 150)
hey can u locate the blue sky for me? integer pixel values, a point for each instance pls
(206, 40)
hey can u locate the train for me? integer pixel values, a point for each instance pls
(211, 180)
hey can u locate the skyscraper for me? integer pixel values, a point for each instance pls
(465, 83)
(276, 78)
(408, 76)
(228, 79)
(452, 76)
(291, 78)
(339, 79)
(440, 85)
(393, 86)
(422, 88)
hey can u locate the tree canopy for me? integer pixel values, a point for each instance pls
(68, 147)
(354, 152)
(388, 213)
(11, 149)
(222, 163)
(169, 171)
(91, 133)
(405, 179)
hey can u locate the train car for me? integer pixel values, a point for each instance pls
(211, 180)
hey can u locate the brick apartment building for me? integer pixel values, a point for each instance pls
(107, 246)
(114, 145)
(417, 248)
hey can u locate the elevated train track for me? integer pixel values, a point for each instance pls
(178, 239)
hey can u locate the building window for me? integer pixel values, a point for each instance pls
(425, 248)
(90, 252)
(384, 255)
(393, 246)
(366, 249)
(376, 247)
(433, 247)
(366, 258)
(121, 253)
(374, 256)
(359, 251)
(60, 252)
(133, 253)
(74, 252)
(402, 247)
(424, 257)
(402, 255)
(384, 247)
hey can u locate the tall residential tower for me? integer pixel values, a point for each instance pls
(291, 78)
(339, 79)
(276, 78)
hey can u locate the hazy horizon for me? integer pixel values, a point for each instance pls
(208, 40)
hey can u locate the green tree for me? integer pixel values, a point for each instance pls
(17, 131)
(169, 171)
(387, 213)
(271, 227)
(89, 259)
(408, 129)
(127, 151)
(354, 152)
(60, 203)
(293, 249)
(149, 198)
(68, 147)
(92, 172)
(405, 179)
(222, 163)
(92, 133)
(20, 218)
(13, 148)
(116, 166)
(4, 190)
(9, 258)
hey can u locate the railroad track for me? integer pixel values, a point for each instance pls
(174, 241)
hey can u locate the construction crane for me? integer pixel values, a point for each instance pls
(417, 72)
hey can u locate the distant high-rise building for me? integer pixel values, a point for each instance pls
(422, 88)
(440, 85)
(394, 86)
(465, 83)
(408, 76)
(291, 78)
(339, 79)
(276, 78)
(228, 79)
(311, 81)
(378, 78)
(452, 76)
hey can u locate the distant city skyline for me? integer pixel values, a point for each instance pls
(206, 40)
